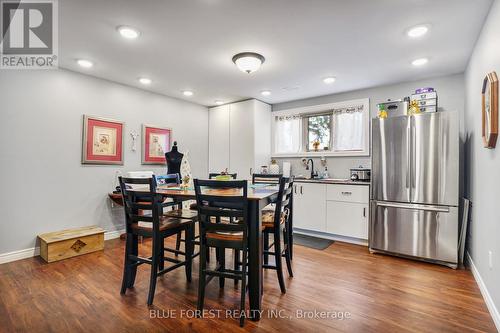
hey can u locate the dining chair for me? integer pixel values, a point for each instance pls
(154, 225)
(277, 223)
(222, 212)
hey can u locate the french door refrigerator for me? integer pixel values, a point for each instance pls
(415, 187)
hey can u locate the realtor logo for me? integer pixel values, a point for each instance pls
(29, 34)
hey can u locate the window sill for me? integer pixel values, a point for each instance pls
(323, 153)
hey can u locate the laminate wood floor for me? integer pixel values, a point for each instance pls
(375, 293)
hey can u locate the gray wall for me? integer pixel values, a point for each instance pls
(44, 186)
(483, 165)
(450, 91)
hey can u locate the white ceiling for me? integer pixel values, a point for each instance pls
(188, 44)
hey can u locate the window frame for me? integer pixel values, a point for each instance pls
(321, 110)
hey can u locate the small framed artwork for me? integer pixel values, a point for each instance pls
(489, 94)
(155, 143)
(102, 141)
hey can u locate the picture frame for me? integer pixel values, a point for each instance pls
(489, 110)
(102, 141)
(156, 141)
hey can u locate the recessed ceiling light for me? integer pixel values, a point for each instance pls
(248, 62)
(417, 31)
(85, 63)
(187, 93)
(265, 93)
(219, 102)
(145, 80)
(329, 80)
(420, 61)
(128, 32)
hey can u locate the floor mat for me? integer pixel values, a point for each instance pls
(312, 242)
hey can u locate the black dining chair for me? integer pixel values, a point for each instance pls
(277, 223)
(266, 178)
(136, 202)
(222, 212)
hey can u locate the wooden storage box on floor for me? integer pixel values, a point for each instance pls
(69, 243)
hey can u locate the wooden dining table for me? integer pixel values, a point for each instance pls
(258, 198)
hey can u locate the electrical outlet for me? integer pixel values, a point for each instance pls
(490, 259)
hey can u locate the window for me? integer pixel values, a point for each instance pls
(337, 129)
(319, 129)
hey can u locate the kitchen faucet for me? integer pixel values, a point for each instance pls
(313, 174)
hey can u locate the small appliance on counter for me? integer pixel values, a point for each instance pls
(426, 99)
(360, 174)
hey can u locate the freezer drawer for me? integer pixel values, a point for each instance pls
(424, 231)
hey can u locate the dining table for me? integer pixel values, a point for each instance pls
(258, 196)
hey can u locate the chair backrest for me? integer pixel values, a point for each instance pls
(213, 175)
(284, 200)
(137, 199)
(216, 199)
(266, 178)
(171, 178)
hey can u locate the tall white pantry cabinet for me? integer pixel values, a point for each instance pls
(239, 137)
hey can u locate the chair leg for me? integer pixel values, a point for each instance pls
(222, 265)
(134, 249)
(277, 258)
(178, 242)
(154, 269)
(265, 235)
(243, 286)
(202, 277)
(161, 261)
(287, 253)
(189, 249)
(126, 264)
(236, 258)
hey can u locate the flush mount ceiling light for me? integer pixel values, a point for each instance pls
(265, 93)
(417, 31)
(128, 32)
(145, 80)
(248, 62)
(219, 102)
(329, 80)
(187, 93)
(420, 61)
(85, 63)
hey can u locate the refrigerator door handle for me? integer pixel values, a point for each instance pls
(414, 206)
(408, 153)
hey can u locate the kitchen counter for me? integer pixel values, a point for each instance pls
(332, 181)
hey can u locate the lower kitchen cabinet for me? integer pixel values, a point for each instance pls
(309, 206)
(348, 219)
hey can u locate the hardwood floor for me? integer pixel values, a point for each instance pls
(381, 294)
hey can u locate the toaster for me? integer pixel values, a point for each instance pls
(360, 174)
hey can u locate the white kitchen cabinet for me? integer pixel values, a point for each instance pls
(240, 137)
(218, 138)
(348, 219)
(309, 206)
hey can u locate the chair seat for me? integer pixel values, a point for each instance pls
(229, 235)
(182, 214)
(166, 223)
(268, 218)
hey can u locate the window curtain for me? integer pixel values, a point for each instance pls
(348, 129)
(288, 135)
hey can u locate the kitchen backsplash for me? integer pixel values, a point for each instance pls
(338, 167)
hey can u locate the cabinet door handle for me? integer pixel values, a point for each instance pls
(364, 211)
(295, 189)
(301, 189)
(251, 172)
(346, 193)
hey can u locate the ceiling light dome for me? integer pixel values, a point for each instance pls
(248, 62)
(128, 32)
(420, 61)
(417, 31)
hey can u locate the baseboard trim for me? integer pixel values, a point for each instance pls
(333, 237)
(35, 251)
(484, 291)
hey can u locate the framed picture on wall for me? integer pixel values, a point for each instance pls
(156, 142)
(102, 141)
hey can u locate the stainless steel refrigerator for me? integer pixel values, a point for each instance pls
(415, 187)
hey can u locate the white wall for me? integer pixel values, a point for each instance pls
(450, 91)
(483, 165)
(44, 187)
